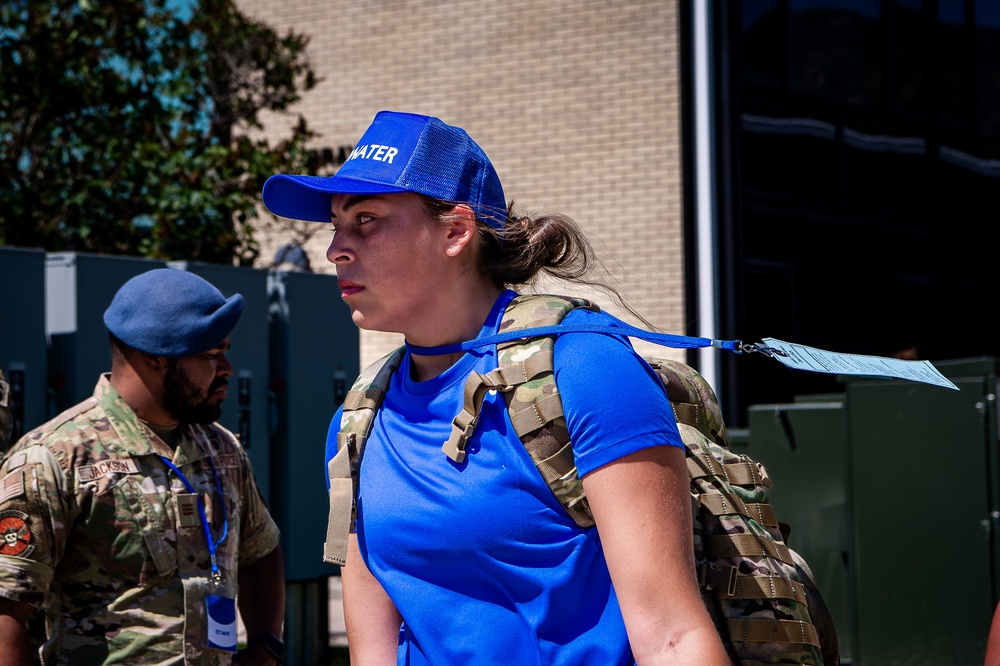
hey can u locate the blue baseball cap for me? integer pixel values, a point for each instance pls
(172, 312)
(399, 152)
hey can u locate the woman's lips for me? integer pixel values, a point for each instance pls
(348, 288)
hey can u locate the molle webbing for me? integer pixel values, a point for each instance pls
(772, 631)
(727, 582)
(768, 587)
(739, 474)
(745, 545)
(720, 504)
(686, 413)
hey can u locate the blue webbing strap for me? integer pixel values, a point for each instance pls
(618, 328)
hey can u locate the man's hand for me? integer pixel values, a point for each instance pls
(254, 655)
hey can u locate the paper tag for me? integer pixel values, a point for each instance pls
(802, 357)
(221, 622)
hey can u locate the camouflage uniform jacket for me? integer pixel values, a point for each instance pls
(98, 530)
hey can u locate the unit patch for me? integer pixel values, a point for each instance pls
(105, 467)
(12, 485)
(15, 533)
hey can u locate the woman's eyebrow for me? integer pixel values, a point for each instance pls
(353, 201)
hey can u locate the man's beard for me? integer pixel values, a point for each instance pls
(182, 399)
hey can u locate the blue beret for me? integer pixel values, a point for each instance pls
(172, 312)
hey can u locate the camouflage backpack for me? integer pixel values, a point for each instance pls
(760, 594)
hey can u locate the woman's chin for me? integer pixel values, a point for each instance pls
(371, 323)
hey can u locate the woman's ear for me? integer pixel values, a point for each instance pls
(461, 223)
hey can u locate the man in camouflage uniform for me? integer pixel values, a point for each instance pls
(110, 513)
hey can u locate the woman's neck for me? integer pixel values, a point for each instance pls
(459, 318)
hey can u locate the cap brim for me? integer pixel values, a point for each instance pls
(308, 197)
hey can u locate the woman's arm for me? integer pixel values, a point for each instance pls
(370, 616)
(642, 507)
(993, 640)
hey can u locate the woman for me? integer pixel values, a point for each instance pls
(476, 562)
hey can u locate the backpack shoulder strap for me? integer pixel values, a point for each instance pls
(534, 406)
(365, 396)
(525, 376)
(357, 417)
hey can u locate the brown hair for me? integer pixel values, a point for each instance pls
(527, 246)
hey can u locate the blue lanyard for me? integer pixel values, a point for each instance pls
(618, 327)
(212, 545)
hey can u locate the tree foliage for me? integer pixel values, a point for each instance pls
(130, 127)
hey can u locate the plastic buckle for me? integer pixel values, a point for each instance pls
(454, 448)
(723, 579)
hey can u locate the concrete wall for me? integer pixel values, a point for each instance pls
(575, 101)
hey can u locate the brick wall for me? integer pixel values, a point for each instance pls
(575, 101)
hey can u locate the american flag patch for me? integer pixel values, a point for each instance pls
(12, 485)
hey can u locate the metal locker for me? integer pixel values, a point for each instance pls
(804, 447)
(23, 351)
(246, 410)
(79, 288)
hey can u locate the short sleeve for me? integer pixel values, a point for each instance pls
(613, 402)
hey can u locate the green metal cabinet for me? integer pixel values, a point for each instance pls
(79, 288)
(893, 495)
(314, 360)
(924, 465)
(247, 409)
(804, 448)
(23, 352)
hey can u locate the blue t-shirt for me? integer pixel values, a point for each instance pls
(480, 559)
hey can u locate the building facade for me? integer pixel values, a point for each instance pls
(577, 103)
